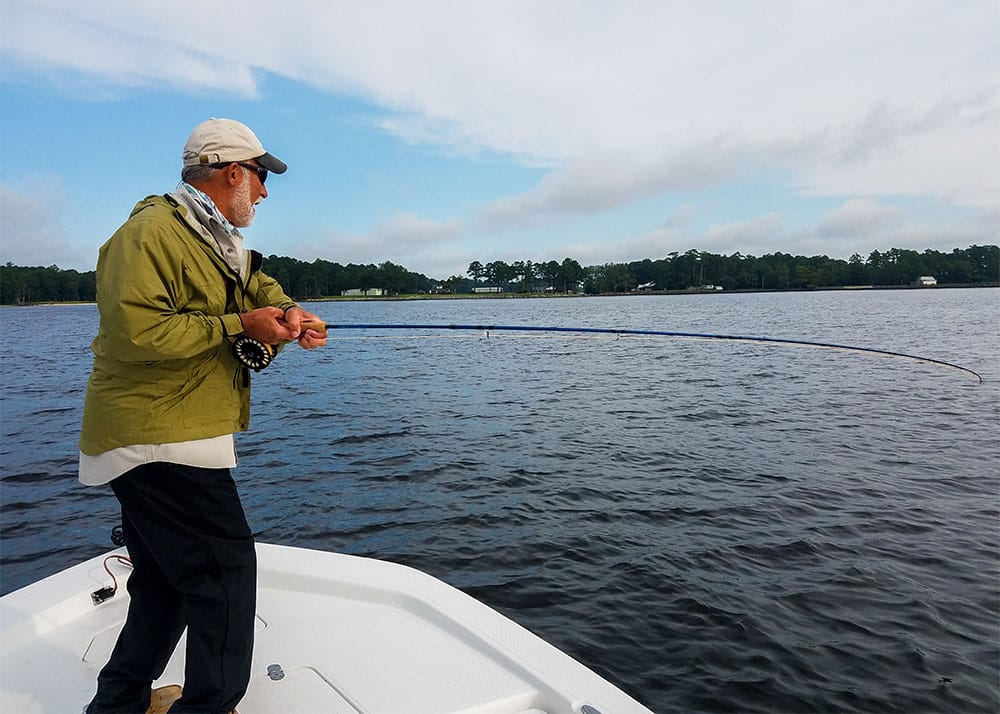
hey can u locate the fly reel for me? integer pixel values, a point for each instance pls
(252, 353)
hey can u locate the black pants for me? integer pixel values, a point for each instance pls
(195, 567)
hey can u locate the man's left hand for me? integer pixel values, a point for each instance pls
(308, 338)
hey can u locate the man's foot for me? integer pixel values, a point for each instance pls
(162, 698)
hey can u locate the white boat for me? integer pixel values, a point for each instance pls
(335, 633)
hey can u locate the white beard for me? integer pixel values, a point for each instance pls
(242, 209)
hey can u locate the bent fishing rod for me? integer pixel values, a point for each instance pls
(257, 355)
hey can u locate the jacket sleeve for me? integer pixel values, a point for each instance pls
(141, 295)
(268, 293)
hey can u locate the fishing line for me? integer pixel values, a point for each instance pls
(257, 355)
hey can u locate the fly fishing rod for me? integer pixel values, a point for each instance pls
(257, 355)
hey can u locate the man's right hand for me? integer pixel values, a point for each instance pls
(266, 324)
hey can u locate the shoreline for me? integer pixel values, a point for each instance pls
(634, 293)
(538, 295)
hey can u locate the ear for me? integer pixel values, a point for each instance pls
(233, 174)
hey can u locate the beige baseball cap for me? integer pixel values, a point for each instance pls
(222, 141)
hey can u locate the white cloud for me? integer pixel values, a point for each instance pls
(981, 228)
(857, 217)
(859, 225)
(414, 242)
(738, 237)
(122, 44)
(950, 151)
(865, 224)
(611, 179)
(592, 85)
(33, 233)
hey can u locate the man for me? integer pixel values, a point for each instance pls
(174, 288)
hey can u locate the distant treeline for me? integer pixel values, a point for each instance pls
(321, 278)
(23, 286)
(677, 271)
(781, 271)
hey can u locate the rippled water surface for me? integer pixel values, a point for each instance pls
(713, 526)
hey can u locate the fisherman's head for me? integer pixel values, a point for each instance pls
(226, 160)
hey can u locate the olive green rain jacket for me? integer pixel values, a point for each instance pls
(164, 370)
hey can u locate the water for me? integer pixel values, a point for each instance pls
(712, 526)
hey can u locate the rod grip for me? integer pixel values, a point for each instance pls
(310, 324)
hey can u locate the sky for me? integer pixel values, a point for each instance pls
(437, 133)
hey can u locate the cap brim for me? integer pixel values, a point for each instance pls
(272, 163)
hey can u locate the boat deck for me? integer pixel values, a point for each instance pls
(335, 633)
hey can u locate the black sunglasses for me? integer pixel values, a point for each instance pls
(260, 170)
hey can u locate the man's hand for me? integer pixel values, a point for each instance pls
(308, 339)
(268, 325)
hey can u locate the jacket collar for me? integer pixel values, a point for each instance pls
(205, 217)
